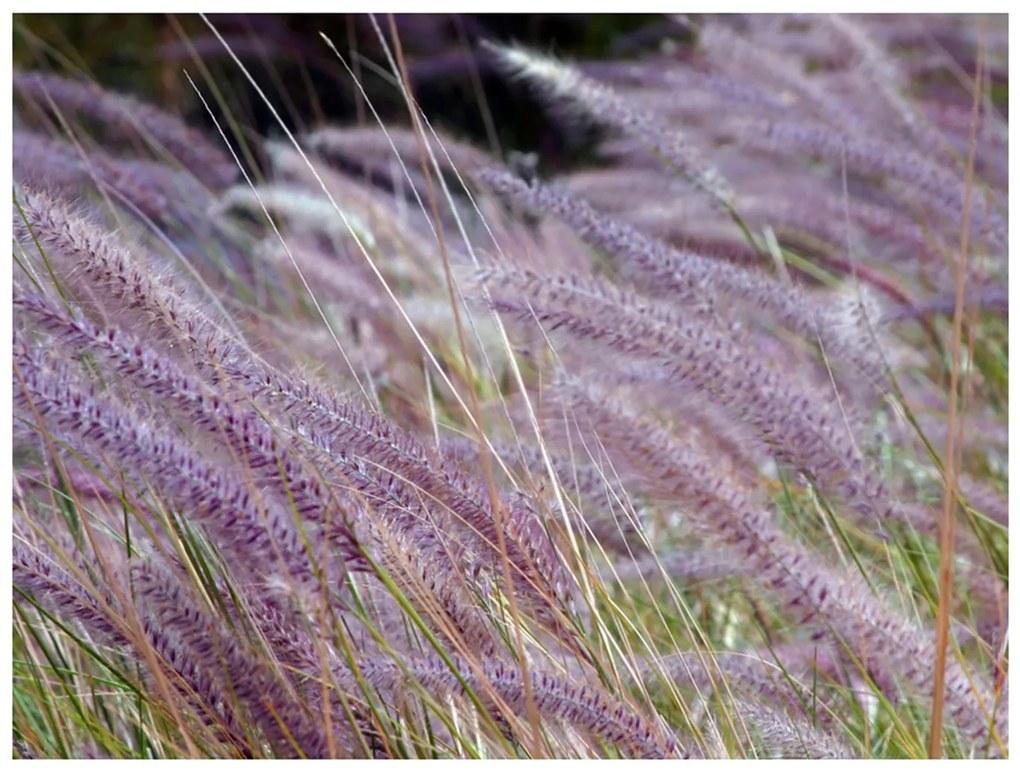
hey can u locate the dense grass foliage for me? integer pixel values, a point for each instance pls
(362, 442)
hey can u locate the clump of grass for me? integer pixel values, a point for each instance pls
(386, 452)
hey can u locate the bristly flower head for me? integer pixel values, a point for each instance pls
(601, 104)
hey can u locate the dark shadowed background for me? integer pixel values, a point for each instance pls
(454, 79)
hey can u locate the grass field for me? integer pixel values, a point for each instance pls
(373, 440)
